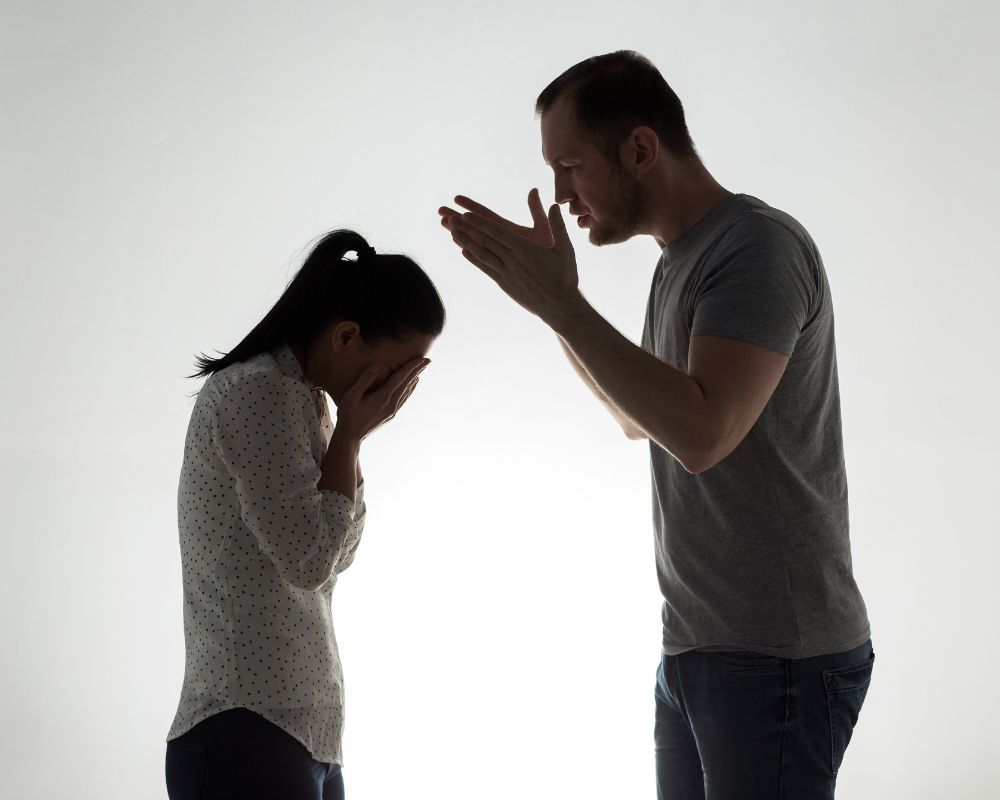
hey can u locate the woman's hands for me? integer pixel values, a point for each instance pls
(359, 412)
(362, 410)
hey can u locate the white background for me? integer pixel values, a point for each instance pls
(165, 165)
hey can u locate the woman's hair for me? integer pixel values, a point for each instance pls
(389, 296)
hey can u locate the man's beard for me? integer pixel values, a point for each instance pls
(628, 213)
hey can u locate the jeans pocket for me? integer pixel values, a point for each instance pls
(745, 662)
(846, 689)
(185, 769)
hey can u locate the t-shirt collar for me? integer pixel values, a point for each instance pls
(676, 248)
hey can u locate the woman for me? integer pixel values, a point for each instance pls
(271, 510)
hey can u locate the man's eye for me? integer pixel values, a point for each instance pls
(569, 167)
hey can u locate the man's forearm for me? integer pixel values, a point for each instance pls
(632, 431)
(666, 404)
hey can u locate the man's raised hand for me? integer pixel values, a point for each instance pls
(540, 233)
(535, 266)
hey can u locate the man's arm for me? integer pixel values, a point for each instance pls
(700, 416)
(631, 431)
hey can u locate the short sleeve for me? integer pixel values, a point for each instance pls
(262, 433)
(759, 286)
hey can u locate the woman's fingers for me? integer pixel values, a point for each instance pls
(367, 410)
(397, 398)
(410, 387)
(362, 384)
(388, 394)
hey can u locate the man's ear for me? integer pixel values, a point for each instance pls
(640, 150)
(345, 335)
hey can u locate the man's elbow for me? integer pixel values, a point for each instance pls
(702, 455)
(633, 433)
(704, 458)
(696, 466)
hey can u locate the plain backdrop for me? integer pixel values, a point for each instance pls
(165, 167)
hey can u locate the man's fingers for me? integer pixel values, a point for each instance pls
(490, 272)
(486, 239)
(483, 211)
(447, 213)
(480, 209)
(560, 236)
(483, 252)
(492, 235)
(479, 255)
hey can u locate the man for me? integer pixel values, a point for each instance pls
(766, 644)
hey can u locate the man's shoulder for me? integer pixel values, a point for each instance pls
(758, 222)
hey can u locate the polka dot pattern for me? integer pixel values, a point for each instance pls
(261, 548)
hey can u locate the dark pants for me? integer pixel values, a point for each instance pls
(741, 725)
(239, 755)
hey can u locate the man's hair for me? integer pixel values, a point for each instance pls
(615, 93)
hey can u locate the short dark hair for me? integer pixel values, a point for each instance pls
(388, 295)
(613, 94)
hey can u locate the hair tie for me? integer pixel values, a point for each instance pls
(365, 252)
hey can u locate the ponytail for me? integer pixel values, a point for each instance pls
(389, 296)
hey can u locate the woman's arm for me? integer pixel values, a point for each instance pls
(340, 470)
(260, 435)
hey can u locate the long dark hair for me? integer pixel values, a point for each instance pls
(388, 295)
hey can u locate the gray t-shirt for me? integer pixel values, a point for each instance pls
(754, 553)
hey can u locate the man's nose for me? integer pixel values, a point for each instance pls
(563, 191)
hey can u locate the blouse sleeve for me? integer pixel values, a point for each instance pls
(262, 434)
(354, 538)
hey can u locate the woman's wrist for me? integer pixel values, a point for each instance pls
(340, 466)
(346, 438)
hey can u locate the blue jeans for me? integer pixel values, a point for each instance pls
(239, 755)
(739, 725)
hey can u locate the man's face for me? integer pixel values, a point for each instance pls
(605, 199)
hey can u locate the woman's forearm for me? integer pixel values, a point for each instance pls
(340, 471)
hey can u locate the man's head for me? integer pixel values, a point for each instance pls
(606, 122)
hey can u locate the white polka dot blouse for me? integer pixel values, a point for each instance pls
(261, 548)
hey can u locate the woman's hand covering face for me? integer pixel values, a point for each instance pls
(362, 410)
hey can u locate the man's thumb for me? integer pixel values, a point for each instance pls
(537, 209)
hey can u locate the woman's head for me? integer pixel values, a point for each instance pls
(341, 315)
